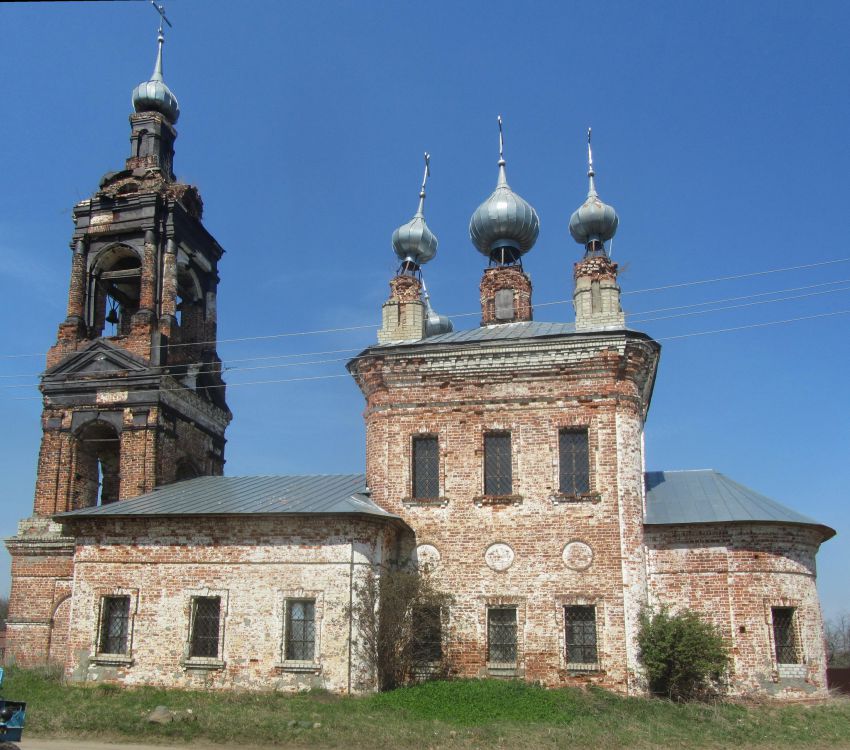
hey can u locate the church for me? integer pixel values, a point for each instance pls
(507, 460)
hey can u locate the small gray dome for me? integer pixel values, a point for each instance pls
(154, 95)
(593, 220)
(504, 222)
(414, 242)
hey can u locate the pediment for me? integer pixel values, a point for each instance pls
(98, 357)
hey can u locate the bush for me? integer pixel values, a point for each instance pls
(684, 656)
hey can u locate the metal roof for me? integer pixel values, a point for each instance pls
(707, 496)
(528, 329)
(268, 495)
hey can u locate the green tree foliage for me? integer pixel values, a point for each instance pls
(685, 657)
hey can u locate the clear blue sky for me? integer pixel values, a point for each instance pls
(720, 134)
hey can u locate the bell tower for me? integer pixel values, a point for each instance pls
(133, 395)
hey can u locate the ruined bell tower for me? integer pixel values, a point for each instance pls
(132, 395)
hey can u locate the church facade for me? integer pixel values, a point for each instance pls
(507, 461)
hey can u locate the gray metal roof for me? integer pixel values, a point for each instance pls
(530, 329)
(707, 496)
(269, 495)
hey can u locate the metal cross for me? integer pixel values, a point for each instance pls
(501, 140)
(427, 172)
(589, 153)
(161, 10)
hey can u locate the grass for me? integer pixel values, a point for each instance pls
(457, 714)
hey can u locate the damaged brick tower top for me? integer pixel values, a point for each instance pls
(133, 395)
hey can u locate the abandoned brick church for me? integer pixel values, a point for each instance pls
(507, 459)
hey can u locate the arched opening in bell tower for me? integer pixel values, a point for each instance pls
(97, 475)
(114, 290)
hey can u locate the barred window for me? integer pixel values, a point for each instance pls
(427, 635)
(497, 463)
(784, 637)
(501, 635)
(300, 629)
(581, 634)
(574, 462)
(426, 467)
(114, 625)
(206, 612)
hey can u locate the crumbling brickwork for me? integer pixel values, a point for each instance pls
(515, 284)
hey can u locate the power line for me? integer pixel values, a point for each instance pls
(345, 329)
(662, 338)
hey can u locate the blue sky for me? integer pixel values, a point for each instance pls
(720, 136)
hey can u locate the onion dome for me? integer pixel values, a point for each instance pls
(413, 242)
(594, 222)
(504, 227)
(154, 95)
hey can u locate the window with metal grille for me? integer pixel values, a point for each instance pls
(581, 634)
(497, 463)
(114, 624)
(206, 611)
(427, 635)
(574, 462)
(784, 637)
(300, 629)
(426, 467)
(501, 635)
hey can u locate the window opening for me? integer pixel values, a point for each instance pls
(426, 467)
(97, 479)
(784, 637)
(115, 291)
(427, 635)
(580, 634)
(497, 463)
(501, 635)
(114, 624)
(205, 620)
(301, 630)
(574, 461)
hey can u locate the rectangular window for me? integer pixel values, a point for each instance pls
(206, 612)
(114, 625)
(501, 635)
(426, 467)
(784, 637)
(300, 630)
(427, 635)
(574, 462)
(497, 463)
(580, 634)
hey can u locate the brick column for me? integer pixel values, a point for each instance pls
(77, 289)
(403, 314)
(597, 296)
(505, 296)
(168, 305)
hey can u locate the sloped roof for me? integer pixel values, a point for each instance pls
(707, 496)
(265, 495)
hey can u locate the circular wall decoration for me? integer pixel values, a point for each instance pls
(499, 556)
(578, 555)
(427, 556)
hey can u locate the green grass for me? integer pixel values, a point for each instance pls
(461, 714)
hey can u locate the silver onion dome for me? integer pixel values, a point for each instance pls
(154, 95)
(413, 242)
(504, 227)
(594, 221)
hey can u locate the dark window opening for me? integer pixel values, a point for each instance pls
(501, 635)
(497, 464)
(114, 625)
(784, 637)
(427, 635)
(580, 634)
(574, 461)
(97, 478)
(185, 470)
(114, 292)
(426, 467)
(301, 630)
(203, 641)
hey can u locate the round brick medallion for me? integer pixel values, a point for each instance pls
(578, 555)
(427, 556)
(499, 556)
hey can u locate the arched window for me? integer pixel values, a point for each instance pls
(185, 470)
(190, 306)
(97, 477)
(114, 290)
